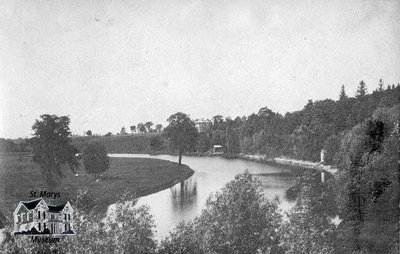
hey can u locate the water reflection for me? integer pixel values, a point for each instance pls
(186, 199)
(184, 194)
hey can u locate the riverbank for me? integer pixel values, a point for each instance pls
(19, 175)
(141, 143)
(284, 161)
(278, 161)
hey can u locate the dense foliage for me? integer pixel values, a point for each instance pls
(94, 158)
(300, 134)
(236, 220)
(309, 228)
(51, 145)
(370, 189)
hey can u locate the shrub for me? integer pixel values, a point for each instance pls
(236, 220)
(95, 159)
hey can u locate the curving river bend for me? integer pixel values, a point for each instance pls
(185, 200)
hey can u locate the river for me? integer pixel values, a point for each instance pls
(185, 200)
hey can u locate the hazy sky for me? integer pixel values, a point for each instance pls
(110, 64)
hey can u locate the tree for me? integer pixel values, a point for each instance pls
(239, 219)
(123, 131)
(245, 220)
(306, 232)
(232, 140)
(133, 227)
(331, 147)
(89, 133)
(108, 134)
(218, 122)
(181, 133)
(183, 239)
(51, 146)
(361, 90)
(95, 159)
(203, 142)
(141, 128)
(148, 126)
(133, 129)
(380, 85)
(342, 95)
(265, 112)
(159, 128)
(368, 183)
(308, 228)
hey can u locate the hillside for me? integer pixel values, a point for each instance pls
(132, 143)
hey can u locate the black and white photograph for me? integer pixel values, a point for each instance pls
(200, 126)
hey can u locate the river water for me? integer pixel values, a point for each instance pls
(185, 200)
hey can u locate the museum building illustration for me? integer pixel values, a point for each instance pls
(38, 217)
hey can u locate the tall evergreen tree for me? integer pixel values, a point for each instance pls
(380, 85)
(361, 90)
(342, 95)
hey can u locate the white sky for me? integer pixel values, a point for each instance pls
(110, 64)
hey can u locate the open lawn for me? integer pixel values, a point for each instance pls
(19, 175)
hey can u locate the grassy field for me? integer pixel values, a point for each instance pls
(19, 175)
(131, 143)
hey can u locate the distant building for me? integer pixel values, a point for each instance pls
(217, 149)
(202, 125)
(36, 215)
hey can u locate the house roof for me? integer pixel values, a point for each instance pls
(202, 120)
(56, 208)
(31, 204)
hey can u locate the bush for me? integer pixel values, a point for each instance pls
(95, 159)
(183, 239)
(236, 220)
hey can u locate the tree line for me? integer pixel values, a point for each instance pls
(300, 134)
(139, 128)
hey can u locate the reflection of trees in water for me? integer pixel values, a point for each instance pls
(184, 194)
